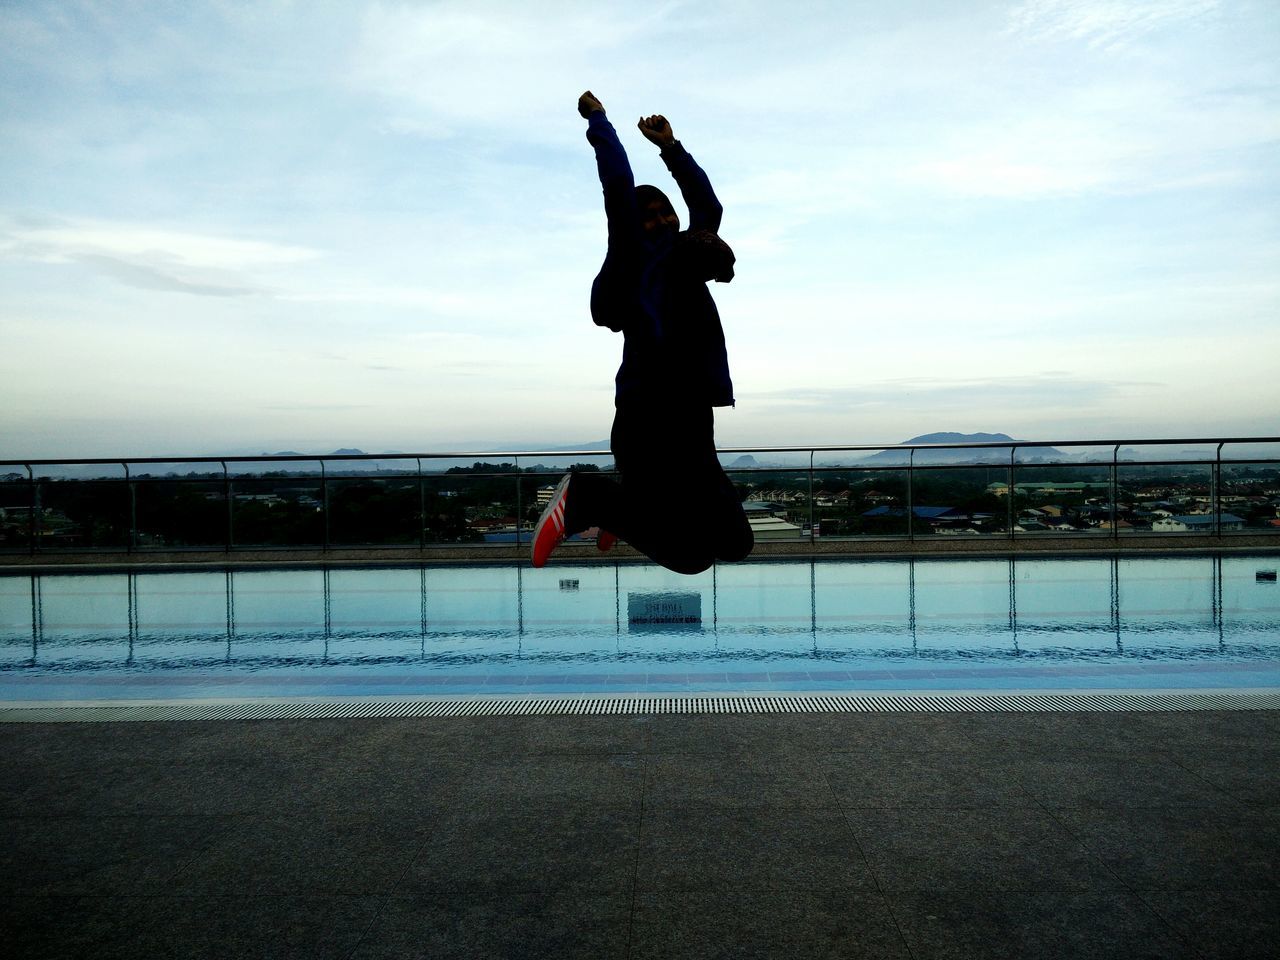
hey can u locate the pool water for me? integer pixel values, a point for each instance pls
(832, 625)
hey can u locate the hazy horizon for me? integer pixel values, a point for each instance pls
(375, 225)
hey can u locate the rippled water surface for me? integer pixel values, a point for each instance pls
(1150, 623)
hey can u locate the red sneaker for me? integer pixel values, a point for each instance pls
(550, 529)
(605, 541)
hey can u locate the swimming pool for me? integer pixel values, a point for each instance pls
(830, 624)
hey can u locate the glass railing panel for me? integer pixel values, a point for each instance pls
(16, 499)
(776, 502)
(181, 513)
(277, 504)
(374, 511)
(835, 504)
(449, 507)
(473, 503)
(82, 514)
(1165, 498)
(958, 501)
(1249, 496)
(1059, 499)
(277, 512)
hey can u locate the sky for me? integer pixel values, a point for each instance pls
(248, 227)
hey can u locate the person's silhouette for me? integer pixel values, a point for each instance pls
(675, 503)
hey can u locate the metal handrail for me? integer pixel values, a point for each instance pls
(563, 454)
(512, 459)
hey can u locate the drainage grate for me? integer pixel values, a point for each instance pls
(636, 705)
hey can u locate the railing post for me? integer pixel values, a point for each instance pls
(226, 494)
(1215, 491)
(811, 537)
(32, 530)
(1013, 453)
(324, 494)
(422, 507)
(133, 508)
(1216, 599)
(519, 501)
(911, 494)
(1113, 485)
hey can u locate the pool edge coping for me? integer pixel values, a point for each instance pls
(898, 701)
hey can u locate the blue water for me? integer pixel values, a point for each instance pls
(830, 625)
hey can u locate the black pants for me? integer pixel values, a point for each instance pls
(675, 504)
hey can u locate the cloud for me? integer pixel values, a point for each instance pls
(412, 127)
(1050, 389)
(310, 407)
(462, 301)
(71, 238)
(955, 195)
(467, 65)
(1103, 24)
(151, 258)
(146, 277)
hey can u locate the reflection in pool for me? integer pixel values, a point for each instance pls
(1150, 623)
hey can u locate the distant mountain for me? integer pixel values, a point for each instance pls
(961, 438)
(960, 456)
(344, 452)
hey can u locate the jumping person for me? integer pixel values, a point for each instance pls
(675, 504)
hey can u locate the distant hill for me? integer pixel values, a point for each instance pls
(961, 438)
(984, 455)
(344, 452)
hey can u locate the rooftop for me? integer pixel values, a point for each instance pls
(917, 834)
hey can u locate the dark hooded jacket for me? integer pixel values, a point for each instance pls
(673, 349)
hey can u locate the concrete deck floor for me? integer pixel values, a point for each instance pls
(1120, 835)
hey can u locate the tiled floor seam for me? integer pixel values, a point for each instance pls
(1173, 931)
(635, 864)
(208, 839)
(1172, 756)
(1124, 884)
(385, 900)
(875, 879)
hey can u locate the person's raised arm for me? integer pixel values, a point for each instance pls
(613, 293)
(616, 178)
(704, 209)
